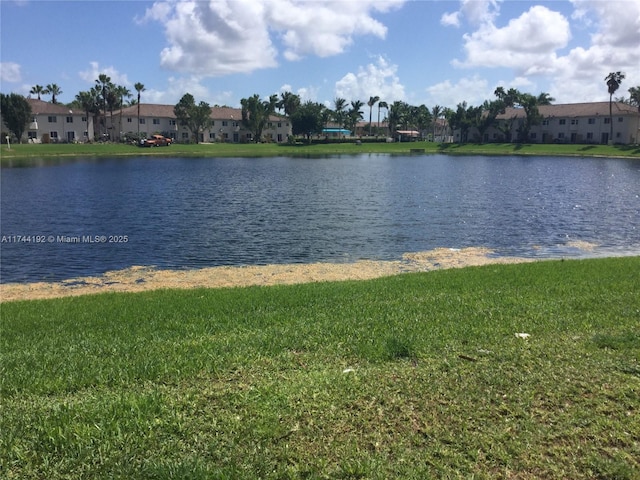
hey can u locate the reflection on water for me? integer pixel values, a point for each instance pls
(194, 213)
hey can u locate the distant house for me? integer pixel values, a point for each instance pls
(53, 123)
(567, 123)
(226, 125)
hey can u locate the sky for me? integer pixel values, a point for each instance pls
(427, 52)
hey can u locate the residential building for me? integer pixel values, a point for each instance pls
(53, 123)
(226, 125)
(568, 123)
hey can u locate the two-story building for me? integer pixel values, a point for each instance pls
(53, 123)
(568, 123)
(226, 125)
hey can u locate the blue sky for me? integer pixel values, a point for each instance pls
(423, 52)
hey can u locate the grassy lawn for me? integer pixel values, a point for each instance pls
(20, 154)
(415, 376)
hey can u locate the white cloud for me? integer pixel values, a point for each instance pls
(10, 72)
(527, 44)
(473, 90)
(376, 79)
(91, 74)
(477, 12)
(220, 37)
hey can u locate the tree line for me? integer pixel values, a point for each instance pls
(311, 118)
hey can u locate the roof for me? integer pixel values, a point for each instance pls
(408, 132)
(40, 107)
(592, 109)
(335, 130)
(166, 111)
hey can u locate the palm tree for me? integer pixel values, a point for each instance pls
(339, 104)
(435, 113)
(54, 91)
(139, 88)
(355, 114)
(122, 92)
(381, 105)
(102, 84)
(37, 90)
(614, 79)
(634, 96)
(372, 101)
(289, 103)
(545, 99)
(88, 102)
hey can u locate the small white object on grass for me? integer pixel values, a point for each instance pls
(523, 335)
(348, 370)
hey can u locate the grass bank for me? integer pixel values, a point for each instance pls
(413, 376)
(23, 154)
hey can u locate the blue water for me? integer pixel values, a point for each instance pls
(190, 212)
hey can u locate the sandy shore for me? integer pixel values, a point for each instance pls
(138, 279)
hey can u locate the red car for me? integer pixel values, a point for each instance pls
(156, 141)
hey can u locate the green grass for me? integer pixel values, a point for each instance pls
(26, 154)
(414, 376)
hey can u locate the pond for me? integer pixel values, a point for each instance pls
(88, 216)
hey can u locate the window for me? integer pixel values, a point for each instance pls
(620, 119)
(561, 135)
(224, 123)
(185, 135)
(142, 121)
(607, 121)
(53, 135)
(592, 121)
(129, 120)
(156, 121)
(574, 121)
(226, 136)
(172, 122)
(545, 122)
(52, 119)
(563, 121)
(69, 119)
(32, 135)
(279, 124)
(589, 135)
(212, 136)
(84, 119)
(213, 122)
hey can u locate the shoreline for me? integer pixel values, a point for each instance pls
(137, 279)
(141, 278)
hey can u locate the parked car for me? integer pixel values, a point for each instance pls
(156, 141)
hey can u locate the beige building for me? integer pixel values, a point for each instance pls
(226, 125)
(56, 123)
(568, 123)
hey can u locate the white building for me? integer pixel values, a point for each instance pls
(567, 123)
(226, 125)
(53, 123)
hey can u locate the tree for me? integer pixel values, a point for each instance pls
(339, 114)
(545, 99)
(436, 112)
(16, 113)
(256, 113)
(53, 90)
(307, 120)
(88, 101)
(139, 88)
(103, 84)
(397, 114)
(122, 92)
(614, 79)
(354, 115)
(289, 103)
(38, 90)
(372, 101)
(634, 96)
(381, 105)
(195, 117)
